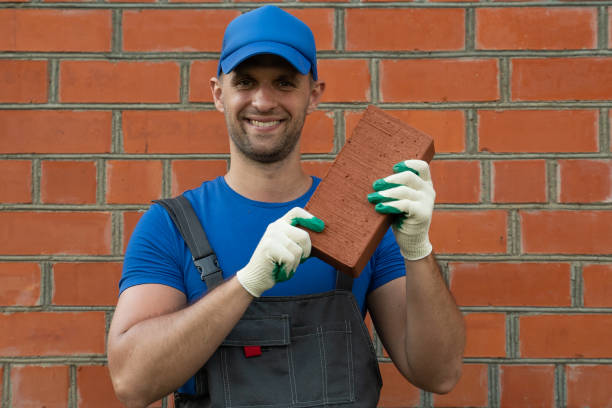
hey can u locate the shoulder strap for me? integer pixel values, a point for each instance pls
(187, 222)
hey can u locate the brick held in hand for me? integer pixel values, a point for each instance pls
(353, 229)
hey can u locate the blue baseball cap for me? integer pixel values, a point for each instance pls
(268, 30)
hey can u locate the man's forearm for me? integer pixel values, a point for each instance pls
(157, 355)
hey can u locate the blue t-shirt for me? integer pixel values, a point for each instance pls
(234, 225)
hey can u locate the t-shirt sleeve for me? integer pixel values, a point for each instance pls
(388, 262)
(153, 254)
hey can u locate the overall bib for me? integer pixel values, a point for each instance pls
(286, 351)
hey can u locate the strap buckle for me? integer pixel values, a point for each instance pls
(207, 265)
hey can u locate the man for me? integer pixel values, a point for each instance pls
(168, 324)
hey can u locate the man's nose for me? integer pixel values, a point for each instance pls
(264, 98)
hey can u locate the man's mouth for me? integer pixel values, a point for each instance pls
(263, 124)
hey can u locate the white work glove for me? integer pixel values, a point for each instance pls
(281, 249)
(409, 193)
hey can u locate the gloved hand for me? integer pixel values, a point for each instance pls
(281, 249)
(409, 193)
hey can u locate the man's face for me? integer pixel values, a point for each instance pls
(265, 101)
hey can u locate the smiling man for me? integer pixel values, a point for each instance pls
(279, 329)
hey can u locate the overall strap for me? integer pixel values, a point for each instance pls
(344, 281)
(187, 222)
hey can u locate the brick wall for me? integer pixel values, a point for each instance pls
(104, 105)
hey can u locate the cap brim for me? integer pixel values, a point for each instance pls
(293, 56)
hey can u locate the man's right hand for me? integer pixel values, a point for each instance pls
(281, 249)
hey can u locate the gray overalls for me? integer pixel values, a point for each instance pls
(293, 351)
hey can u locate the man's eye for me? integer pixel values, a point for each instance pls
(286, 84)
(244, 83)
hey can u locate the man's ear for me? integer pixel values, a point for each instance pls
(316, 92)
(217, 92)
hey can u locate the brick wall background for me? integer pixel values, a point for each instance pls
(104, 106)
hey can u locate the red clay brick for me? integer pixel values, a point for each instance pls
(55, 30)
(16, 181)
(456, 181)
(321, 22)
(527, 386)
(37, 233)
(199, 80)
(566, 232)
(20, 284)
(565, 336)
(347, 80)
(581, 78)
(597, 285)
(188, 174)
(538, 131)
(316, 168)
(446, 127)
(588, 386)
(510, 284)
(519, 181)
(485, 335)
(130, 219)
(585, 181)
(86, 284)
(536, 28)
(175, 30)
(23, 81)
(397, 391)
(94, 388)
(439, 80)
(34, 386)
(37, 131)
(133, 181)
(68, 182)
(318, 133)
(415, 29)
(471, 390)
(469, 231)
(119, 82)
(48, 333)
(175, 132)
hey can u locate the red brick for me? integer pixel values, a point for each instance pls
(199, 80)
(597, 285)
(413, 29)
(519, 181)
(94, 388)
(318, 133)
(469, 231)
(588, 386)
(585, 181)
(188, 174)
(456, 181)
(44, 233)
(34, 386)
(538, 131)
(316, 168)
(68, 182)
(446, 127)
(609, 25)
(119, 82)
(37, 131)
(510, 284)
(48, 333)
(567, 336)
(130, 219)
(55, 30)
(582, 78)
(175, 132)
(527, 386)
(175, 30)
(471, 390)
(86, 284)
(133, 181)
(566, 232)
(485, 335)
(321, 22)
(23, 81)
(439, 80)
(536, 28)
(346, 80)
(16, 181)
(397, 391)
(20, 284)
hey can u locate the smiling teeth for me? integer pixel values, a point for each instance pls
(264, 124)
